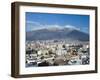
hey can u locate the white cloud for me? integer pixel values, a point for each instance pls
(36, 25)
(72, 27)
(53, 26)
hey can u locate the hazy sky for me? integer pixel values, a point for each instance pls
(36, 21)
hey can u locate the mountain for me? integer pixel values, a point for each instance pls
(57, 33)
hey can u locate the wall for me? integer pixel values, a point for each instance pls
(5, 40)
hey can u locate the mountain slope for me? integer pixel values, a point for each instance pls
(49, 34)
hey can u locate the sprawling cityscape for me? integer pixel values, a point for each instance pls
(56, 53)
(56, 39)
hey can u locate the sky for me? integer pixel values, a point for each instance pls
(35, 21)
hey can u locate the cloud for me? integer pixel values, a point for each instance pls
(32, 25)
(53, 26)
(72, 27)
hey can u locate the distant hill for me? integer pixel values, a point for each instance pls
(56, 33)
